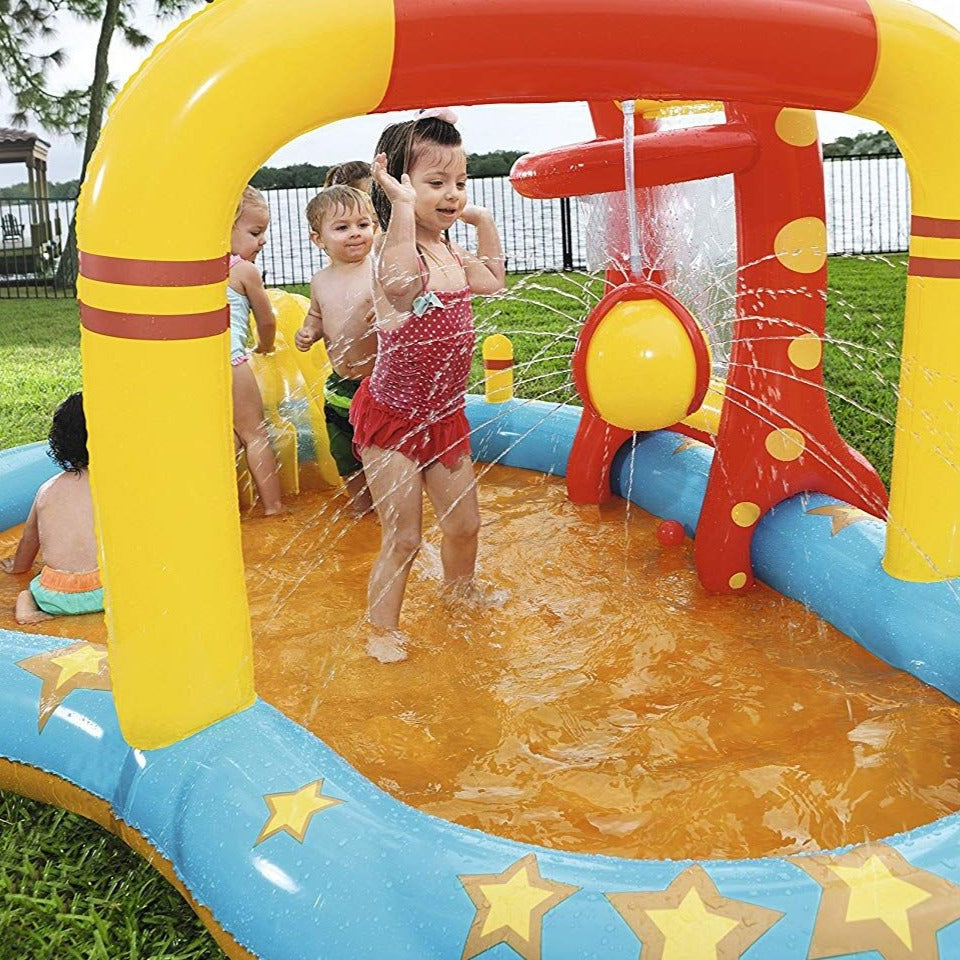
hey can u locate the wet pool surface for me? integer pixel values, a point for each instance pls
(610, 706)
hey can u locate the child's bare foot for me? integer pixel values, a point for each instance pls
(278, 511)
(27, 611)
(359, 510)
(387, 646)
(476, 593)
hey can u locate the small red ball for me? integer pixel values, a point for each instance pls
(670, 533)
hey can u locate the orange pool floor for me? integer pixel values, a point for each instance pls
(611, 706)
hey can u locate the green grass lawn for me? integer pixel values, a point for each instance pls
(39, 361)
(39, 365)
(69, 891)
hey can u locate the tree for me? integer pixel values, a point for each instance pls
(876, 144)
(297, 175)
(27, 31)
(496, 164)
(65, 190)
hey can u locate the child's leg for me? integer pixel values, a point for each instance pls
(340, 435)
(358, 493)
(397, 495)
(27, 611)
(250, 430)
(454, 497)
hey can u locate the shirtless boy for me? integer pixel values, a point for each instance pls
(60, 526)
(341, 220)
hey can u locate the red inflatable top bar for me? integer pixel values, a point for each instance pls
(671, 156)
(801, 53)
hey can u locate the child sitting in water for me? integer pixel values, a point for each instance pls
(341, 221)
(60, 526)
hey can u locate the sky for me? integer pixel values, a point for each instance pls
(532, 127)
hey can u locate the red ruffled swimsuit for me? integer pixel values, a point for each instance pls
(413, 401)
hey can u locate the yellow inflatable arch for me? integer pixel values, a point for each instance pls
(243, 77)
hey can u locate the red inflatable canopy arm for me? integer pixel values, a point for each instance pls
(669, 156)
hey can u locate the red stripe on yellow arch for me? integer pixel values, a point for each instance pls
(497, 364)
(154, 273)
(932, 267)
(142, 326)
(935, 227)
(818, 53)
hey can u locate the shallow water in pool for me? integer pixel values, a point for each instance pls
(611, 706)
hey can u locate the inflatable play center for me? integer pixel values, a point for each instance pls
(268, 773)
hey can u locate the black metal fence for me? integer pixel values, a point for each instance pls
(33, 235)
(868, 204)
(868, 212)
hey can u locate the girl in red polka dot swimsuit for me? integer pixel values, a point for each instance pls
(410, 429)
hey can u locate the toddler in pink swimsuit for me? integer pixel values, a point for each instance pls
(410, 429)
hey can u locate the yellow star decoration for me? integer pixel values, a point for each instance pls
(293, 811)
(691, 920)
(81, 666)
(510, 908)
(86, 660)
(842, 515)
(874, 899)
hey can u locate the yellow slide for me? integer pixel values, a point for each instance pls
(291, 385)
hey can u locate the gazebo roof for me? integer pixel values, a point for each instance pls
(21, 146)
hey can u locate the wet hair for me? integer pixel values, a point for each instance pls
(331, 199)
(403, 143)
(251, 197)
(350, 172)
(68, 435)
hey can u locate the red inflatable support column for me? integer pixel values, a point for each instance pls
(776, 435)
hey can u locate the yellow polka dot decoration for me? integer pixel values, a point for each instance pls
(797, 127)
(801, 246)
(745, 514)
(785, 445)
(806, 352)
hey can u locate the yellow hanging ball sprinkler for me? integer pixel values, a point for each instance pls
(641, 363)
(646, 362)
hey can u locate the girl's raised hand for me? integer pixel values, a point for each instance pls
(396, 190)
(472, 214)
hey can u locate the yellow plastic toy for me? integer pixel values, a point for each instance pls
(291, 386)
(498, 368)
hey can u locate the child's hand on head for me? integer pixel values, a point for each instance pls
(304, 339)
(472, 214)
(397, 191)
